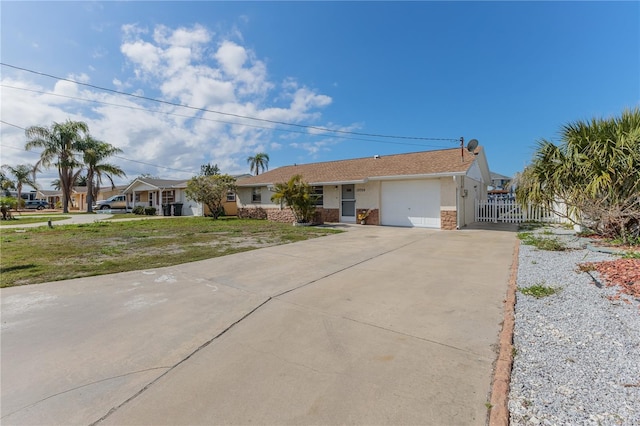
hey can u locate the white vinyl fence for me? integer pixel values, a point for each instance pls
(508, 211)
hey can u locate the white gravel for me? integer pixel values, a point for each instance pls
(577, 353)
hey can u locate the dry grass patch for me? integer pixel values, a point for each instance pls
(37, 255)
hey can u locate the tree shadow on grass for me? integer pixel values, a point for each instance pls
(13, 268)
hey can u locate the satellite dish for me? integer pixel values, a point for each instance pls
(472, 145)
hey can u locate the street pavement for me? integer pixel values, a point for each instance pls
(377, 325)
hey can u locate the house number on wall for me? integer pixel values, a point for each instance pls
(360, 190)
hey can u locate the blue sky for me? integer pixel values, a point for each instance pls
(505, 73)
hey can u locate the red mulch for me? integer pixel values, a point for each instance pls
(623, 273)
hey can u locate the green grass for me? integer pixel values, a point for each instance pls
(541, 243)
(42, 254)
(530, 226)
(23, 220)
(539, 290)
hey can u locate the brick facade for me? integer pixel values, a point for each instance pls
(330, 215)
(448, 220)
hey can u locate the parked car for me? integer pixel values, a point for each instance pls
(36, 204)
(113, 203)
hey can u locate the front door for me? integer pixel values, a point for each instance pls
(348, 204)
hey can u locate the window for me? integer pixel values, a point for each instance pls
(168, 197)
(231, 196)
(318, 192)
(256, 195)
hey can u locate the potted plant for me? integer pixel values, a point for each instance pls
(363, 215)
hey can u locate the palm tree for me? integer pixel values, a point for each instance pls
(298, 195)
(81, 180)
(24, 174)
(60, 144)
(595, 172)
(94, 153)
(258, 162)
(5, 183)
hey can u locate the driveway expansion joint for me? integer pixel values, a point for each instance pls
(33, 404)
(198, 349)
(248, 314)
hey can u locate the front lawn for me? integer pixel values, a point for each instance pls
(37, 255)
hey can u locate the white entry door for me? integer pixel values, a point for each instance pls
(411, 203)
(348, 204)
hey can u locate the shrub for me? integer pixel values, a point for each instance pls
(138, 210)
(150, 211)
(552, 244)
(539, 290)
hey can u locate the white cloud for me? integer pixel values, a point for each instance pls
(188, 66)
(231, 57)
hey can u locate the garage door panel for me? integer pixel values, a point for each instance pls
(411, 203)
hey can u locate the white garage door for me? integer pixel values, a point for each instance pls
(411, 203)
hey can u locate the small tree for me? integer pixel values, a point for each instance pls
(211, 191)
(6, 204)
(24, 174)
(209, 170)
(298, 195)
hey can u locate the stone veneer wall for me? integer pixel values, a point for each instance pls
(448, 220)
(252, 213)
(285, 215)
(276, 215)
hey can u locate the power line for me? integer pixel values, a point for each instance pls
(214, 120)
(323, 129)
(116, 156)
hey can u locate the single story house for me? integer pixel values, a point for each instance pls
(431, 189)
(144, 191)
(151, 192)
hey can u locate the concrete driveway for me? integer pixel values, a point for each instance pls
(377, 325)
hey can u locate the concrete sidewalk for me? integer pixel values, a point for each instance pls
(77, 219)
(377, 325)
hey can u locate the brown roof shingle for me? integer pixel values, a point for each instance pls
(360, 169)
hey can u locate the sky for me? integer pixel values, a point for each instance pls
(176, 85)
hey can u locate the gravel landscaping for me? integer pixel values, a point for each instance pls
(576, 351)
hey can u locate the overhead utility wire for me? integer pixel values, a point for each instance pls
(324, 129)
(116, 156)
(212, 119)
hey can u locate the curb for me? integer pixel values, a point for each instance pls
(499, 414)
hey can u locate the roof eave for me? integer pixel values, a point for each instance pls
(418, 176)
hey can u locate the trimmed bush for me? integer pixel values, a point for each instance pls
(150, 211)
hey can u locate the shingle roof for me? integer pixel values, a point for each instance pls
(446, 161)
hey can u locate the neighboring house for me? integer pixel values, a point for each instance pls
(230, 205)
(431, 189)
(499, 182)
(501, 187)
(108, 192)
(78, 198)
(52, 197)
(150, 192)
